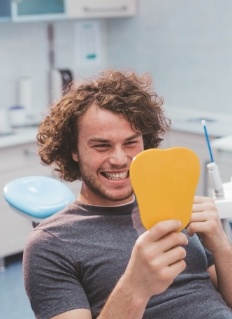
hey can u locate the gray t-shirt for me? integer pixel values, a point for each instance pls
(75, 258)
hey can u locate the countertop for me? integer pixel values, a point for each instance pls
(189, 121)
(223, 143)
(183, 120)
(18, 137)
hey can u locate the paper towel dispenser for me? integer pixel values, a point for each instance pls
(60, 79)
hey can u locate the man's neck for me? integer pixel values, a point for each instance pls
(84, 201)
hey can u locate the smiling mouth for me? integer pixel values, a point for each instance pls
(115, 176)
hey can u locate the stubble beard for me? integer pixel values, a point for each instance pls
(101, 192)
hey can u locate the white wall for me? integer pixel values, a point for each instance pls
(23, 52)
(185, 44)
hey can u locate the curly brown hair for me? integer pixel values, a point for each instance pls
(120, 92)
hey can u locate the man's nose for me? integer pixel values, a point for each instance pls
(118, 157)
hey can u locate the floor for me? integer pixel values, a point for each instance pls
(13, 300)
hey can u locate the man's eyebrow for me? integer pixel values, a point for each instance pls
(103, 140)
(133, 136)
(98, 140)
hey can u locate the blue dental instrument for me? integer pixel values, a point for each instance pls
(212, 167)
(203, 122)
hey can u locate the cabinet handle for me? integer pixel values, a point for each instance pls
(105, 9)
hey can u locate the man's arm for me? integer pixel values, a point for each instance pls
(205, 221)
(75, 314)
(223, 266)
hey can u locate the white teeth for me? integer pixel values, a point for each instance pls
(116, 176)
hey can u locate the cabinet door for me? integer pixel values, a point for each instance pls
(5, 10)
(100, 8)
(223, 158)
(34, 10)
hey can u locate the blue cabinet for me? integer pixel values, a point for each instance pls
(5, 10)
(35, 10)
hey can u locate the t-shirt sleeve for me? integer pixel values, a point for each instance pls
(209, 256)
(52, 279)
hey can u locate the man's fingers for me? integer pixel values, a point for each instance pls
(173, 256)
(177, 267)
(201, 199)
(163, 228)
(202, 217)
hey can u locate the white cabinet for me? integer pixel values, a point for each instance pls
(15, 162)
(197, 143)
(100, 8)
(48, 10)
(223, 157)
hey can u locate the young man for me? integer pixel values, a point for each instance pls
(95, 259)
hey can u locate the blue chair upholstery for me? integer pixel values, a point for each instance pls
(37, 197)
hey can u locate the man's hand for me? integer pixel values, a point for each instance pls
(157, 258)
(206, 222)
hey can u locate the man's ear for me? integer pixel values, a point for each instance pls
(75, 157)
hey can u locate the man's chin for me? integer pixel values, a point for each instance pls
(119, 198)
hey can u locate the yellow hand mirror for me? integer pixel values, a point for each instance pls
(164, 182)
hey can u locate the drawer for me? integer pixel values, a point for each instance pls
(14, 230)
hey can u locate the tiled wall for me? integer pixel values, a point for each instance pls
(187, 47)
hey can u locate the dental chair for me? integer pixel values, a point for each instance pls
(37, 197)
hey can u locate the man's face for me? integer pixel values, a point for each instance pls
(106, 147)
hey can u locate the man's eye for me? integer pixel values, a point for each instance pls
(102, 146)
(131, 143)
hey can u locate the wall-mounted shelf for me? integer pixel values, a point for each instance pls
(101, 8)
